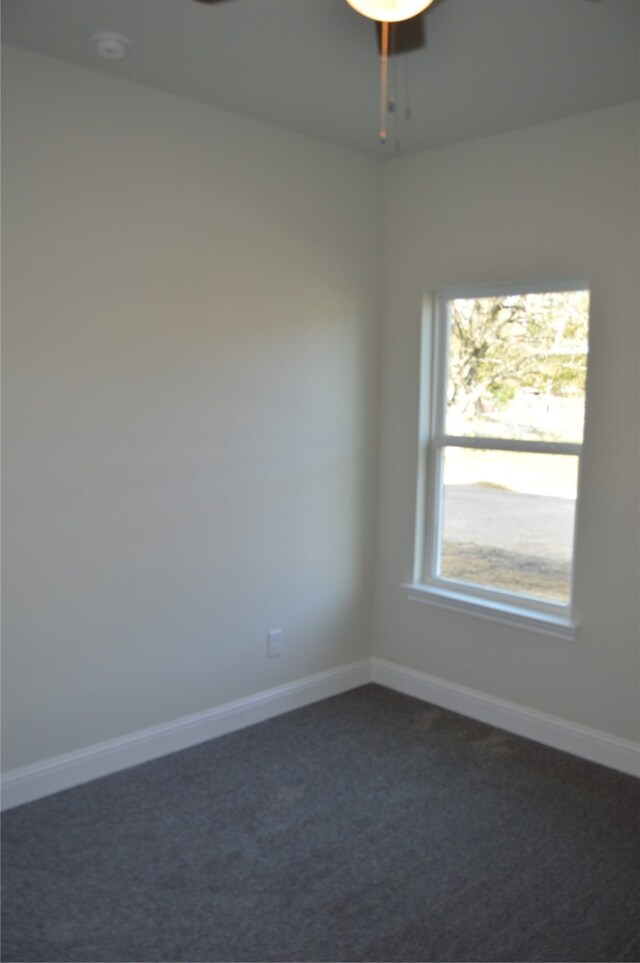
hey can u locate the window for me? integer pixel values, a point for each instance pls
(501, 438)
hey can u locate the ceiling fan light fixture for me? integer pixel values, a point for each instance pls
(389, 11)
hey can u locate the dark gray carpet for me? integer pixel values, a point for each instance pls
(366, 827)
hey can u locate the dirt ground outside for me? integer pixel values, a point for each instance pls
(508, 540)
(525, 574)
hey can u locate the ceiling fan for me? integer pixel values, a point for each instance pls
(404, 17)
(399, 28)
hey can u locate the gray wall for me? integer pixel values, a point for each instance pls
(190, 314)
(559, 200)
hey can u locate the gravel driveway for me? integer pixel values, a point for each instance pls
(518, 542)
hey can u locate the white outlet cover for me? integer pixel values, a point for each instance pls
(274, 643)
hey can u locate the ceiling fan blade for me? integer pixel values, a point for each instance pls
(404, 36)
(210, 2)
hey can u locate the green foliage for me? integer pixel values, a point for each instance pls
(500, 346)
(501, 394)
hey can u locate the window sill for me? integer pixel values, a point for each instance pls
(521, 616)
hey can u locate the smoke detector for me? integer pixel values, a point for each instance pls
(112, 46)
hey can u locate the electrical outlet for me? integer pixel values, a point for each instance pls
(274, 643)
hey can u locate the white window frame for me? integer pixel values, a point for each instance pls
(549, 617)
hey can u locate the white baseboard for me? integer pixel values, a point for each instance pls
(591, 744)
(74, 768)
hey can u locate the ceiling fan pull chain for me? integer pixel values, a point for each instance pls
(393, 43)
(407, 99)
(393, 96)
(384, 69)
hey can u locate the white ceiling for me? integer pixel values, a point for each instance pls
(311, 66)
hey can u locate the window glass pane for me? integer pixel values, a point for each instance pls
(508, 519)
(517, 365)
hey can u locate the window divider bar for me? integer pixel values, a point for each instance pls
(509, 444)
